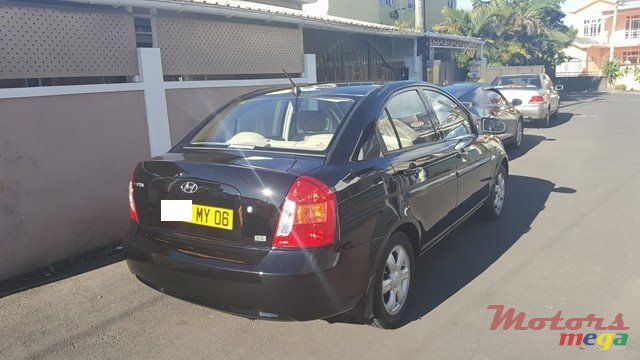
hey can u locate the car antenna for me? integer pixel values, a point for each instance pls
(296, 90)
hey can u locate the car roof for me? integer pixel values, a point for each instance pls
(335, 89)
(518, 75)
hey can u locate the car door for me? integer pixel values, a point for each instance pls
(554, 97)
(501, 109)
(473, 157)
(424, 164)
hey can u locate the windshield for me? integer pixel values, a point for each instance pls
(531, 81)
(279, 121)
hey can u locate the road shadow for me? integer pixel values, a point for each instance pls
(528, 143)
(580, 96)
(467, 252)
(561, 119)
(89, 261)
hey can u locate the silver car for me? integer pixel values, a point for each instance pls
(533, 94)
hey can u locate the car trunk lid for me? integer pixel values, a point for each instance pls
(248, 189)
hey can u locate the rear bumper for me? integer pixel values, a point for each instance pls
(285, 285)
(533, 112)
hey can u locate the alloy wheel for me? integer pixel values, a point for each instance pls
(498, 193)
(519, 133)
(395, 280)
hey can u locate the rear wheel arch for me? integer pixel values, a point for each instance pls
(412, 232)
(505, 163)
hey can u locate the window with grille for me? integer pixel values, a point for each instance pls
(144, 31)
(633, 27)
(632, 57)
(386, 2)
(592, 27)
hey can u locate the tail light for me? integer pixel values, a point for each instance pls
(537, 99)
(133, 213)
(308, 216)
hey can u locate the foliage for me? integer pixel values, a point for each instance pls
(621, 87)
(516, 32)
(636, 73)
(611, 71)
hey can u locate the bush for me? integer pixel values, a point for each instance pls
(636, 73)
(621, 87)
(611, 71)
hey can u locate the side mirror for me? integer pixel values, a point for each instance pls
(468, 105)
(516, 102)
(493, 126)
(559, 87)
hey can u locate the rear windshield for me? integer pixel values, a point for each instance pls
(278, 121)
(531, 81)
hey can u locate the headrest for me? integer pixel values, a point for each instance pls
(313, 120)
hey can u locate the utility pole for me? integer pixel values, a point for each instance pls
(419, 11)
(613, 28)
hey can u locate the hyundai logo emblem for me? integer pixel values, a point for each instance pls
(189, 187)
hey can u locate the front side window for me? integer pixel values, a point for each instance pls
(475, 97)
(277, 121)
(410, 119)
(592, 27)
(454, 122)
(495, 98)
(632, 29)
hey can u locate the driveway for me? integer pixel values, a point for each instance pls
(569, 240)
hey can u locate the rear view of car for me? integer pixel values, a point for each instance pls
(534, 95)
(235, 260)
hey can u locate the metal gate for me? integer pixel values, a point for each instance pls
(355, 60)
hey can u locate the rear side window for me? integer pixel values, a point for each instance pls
(369, 147)
(454, 122)
(410, 119)
(388, 135)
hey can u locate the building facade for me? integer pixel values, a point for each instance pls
(605, 32)
(400, 13)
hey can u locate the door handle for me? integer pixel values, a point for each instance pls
(413, 171)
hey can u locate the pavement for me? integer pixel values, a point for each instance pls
(569, 240)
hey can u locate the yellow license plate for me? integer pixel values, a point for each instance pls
(212, 216)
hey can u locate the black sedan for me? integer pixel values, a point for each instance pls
(305, 203)
(485, 100)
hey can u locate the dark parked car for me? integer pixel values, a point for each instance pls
(307, 203)
(485, 100)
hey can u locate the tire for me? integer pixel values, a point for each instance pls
(388, 311)
(547, 120)
(555, 114)
(494, 204)
(517, 139)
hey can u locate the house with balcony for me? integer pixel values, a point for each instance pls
(607, 30)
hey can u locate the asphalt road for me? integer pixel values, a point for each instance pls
(569, 240)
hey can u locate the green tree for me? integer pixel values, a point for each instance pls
(611, 71)
(516, 32)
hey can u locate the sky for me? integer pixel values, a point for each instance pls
(567, 6)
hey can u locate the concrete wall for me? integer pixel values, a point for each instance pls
(581, 83)
(64, 165)
(66, 154)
